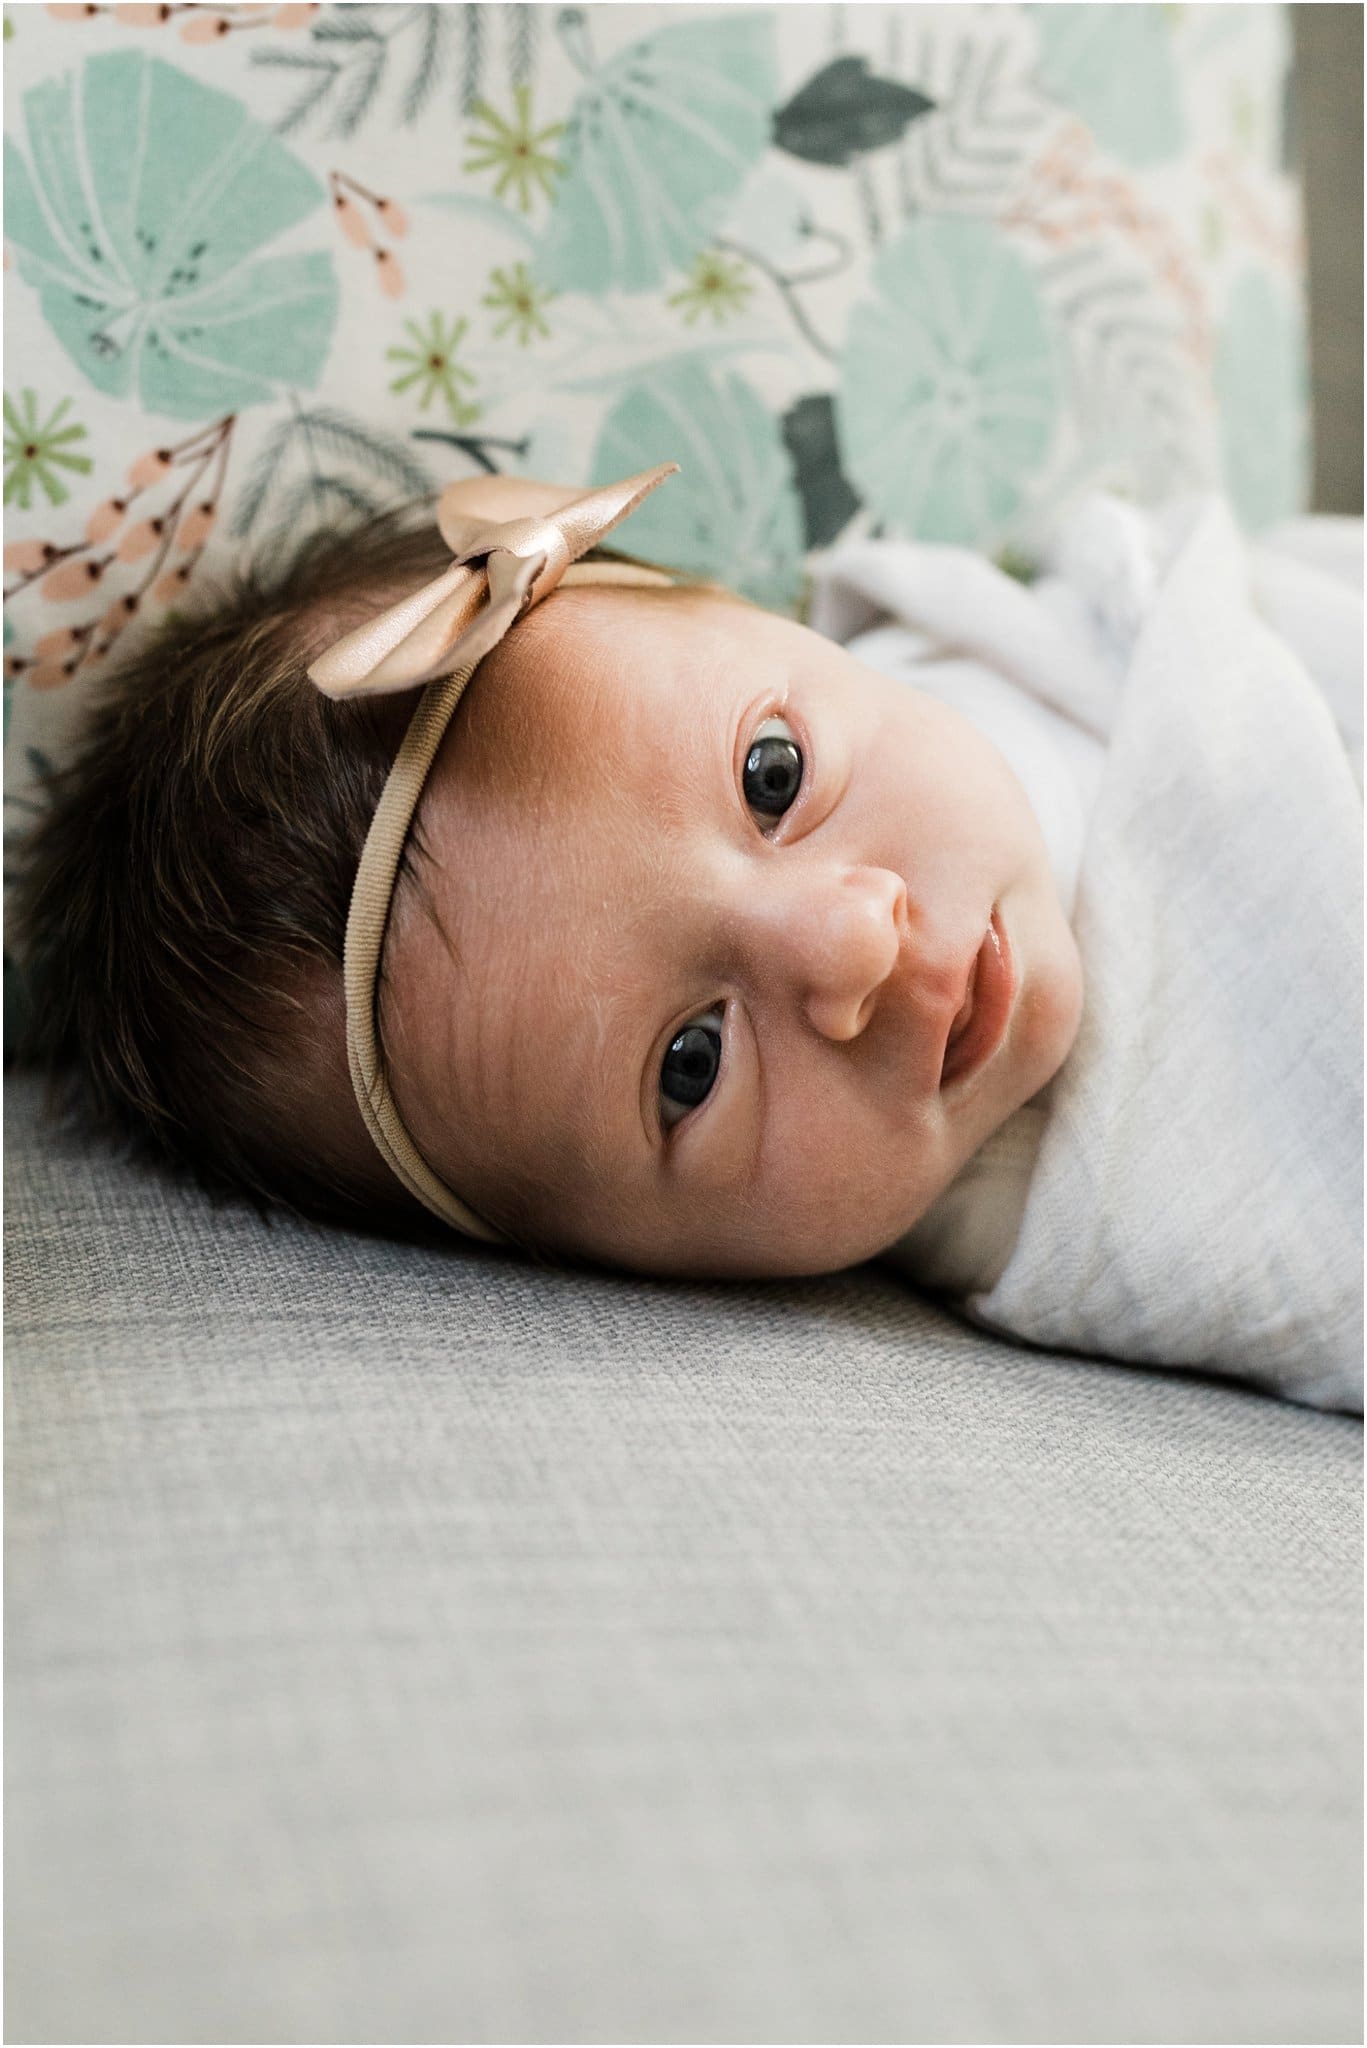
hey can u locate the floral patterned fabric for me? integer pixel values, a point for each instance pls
(928, 271)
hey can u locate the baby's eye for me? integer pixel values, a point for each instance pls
(773, 769)
(690, 1067)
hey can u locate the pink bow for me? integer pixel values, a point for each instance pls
(447, 625)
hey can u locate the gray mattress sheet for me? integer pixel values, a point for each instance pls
(403, 1645)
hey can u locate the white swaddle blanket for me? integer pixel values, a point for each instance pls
(1188, 1190)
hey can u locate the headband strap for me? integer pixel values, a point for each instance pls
(438, 636)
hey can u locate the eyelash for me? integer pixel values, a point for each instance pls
(714, 1015)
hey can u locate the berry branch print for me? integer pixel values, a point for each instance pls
(198, 24)
(371, 221)
(67, 575)
(1066, 199)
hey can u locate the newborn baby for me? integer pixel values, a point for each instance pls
(713, 950)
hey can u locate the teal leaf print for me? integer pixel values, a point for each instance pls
(949, 387)
(1261, 383)
(138, 214)
(844, 112)
(1114, 66)
(657, 144)
(490, 213)
(772, 213)
(732, 512)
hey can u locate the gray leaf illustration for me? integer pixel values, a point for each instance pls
(844, 112)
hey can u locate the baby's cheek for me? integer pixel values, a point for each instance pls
(1051, 1006)
(847, 1179)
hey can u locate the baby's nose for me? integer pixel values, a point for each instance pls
(846, 937)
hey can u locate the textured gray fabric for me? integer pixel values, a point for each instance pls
(403, 1645)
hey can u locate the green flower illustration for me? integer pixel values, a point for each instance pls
(34, 451)
(435, 367)
(949, 386)
(716, 285)
(520, 300)
(659, 142)
(515, 150)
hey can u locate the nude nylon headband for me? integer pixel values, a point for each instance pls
(438, 636)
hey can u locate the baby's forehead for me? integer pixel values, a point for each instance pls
(588, 658)
(589, 740)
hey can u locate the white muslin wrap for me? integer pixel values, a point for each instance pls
(1189, 1189)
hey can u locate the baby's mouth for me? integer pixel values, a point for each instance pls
(979, 1023)
(962, 1016)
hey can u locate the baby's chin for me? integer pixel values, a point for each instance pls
(1050, 1011)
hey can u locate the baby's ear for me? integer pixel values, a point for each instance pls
(508, 497)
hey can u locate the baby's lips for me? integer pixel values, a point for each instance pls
(979, 1024)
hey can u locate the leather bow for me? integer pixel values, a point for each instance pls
(514, 563)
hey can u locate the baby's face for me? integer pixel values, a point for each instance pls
(711, 893)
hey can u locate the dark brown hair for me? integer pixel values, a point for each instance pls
(181, 905)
